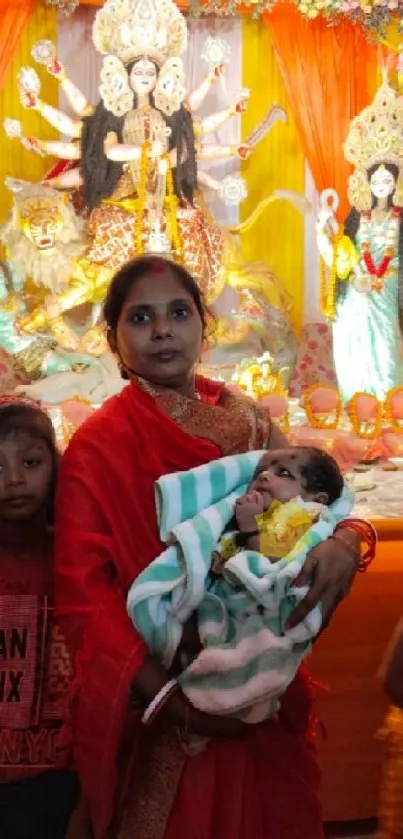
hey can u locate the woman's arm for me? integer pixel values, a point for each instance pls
(277, 440)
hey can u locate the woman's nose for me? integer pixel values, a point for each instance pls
(162, 328)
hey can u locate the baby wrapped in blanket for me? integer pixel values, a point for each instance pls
(239, 581)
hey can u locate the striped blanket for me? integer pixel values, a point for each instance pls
(248, 657)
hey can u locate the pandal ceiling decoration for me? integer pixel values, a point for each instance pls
(375, 16)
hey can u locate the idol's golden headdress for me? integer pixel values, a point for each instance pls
(130, 29)
(126, 30)
(375, 138)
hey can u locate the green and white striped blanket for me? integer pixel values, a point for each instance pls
(248, 657)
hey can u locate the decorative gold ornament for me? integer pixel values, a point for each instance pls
(131, 29)
(258, 378)
(115, 90)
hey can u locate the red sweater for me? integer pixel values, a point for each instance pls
(35, 668)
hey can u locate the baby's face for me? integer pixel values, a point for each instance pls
(278, 476)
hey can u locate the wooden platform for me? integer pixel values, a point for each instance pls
(346, 659)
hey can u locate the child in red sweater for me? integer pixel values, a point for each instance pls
(37, 792)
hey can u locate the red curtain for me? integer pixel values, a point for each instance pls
(329, 73)
(14, 16)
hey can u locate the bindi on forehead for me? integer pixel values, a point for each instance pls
(158, 266)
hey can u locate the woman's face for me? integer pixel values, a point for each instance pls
(143, 77)
(382, 183)
(160, 333)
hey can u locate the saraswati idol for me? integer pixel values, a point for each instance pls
(135, 155)
(363, 290)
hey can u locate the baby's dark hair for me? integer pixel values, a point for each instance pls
(19, 414)
(320, 473)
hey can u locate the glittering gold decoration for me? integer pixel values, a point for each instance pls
(131, 29)
(258, 378)
(31, 361)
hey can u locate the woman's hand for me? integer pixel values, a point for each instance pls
(192, 721)
(149, 681)
(329, 569)
(190, 641)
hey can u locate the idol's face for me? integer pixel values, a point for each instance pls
(143, 77)
(382, 183)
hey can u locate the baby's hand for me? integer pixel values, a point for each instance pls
(246, 510)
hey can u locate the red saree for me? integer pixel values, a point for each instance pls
(262, 787)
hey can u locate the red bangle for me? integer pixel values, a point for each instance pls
(368, 535)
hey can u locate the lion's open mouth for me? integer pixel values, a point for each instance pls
(45, 243)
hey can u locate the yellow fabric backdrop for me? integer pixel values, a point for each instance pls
(15, 161)
(277, 163)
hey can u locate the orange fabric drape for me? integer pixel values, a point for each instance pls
(329, 73)
(14, 16)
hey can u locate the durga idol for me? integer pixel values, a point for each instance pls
(364, 294)
(136, 152)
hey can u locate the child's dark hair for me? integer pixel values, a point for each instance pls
(20, 414)
(321, 473)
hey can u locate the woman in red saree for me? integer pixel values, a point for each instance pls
(249, 783)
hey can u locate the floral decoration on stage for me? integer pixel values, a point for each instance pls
(372, 15)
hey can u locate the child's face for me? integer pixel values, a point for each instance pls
(26, 470)
(278, 477)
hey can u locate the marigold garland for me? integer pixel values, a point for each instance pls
(172, 206)
(395, 424)
(313, 417)
(374, 425)
(142, 196)
(328, 280)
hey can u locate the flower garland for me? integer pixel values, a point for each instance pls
(327, 282)
(378, 272)
(328, 420)
(141, 201)
(366, 429)
(172, 206)
(395, 423)
(373, 15)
